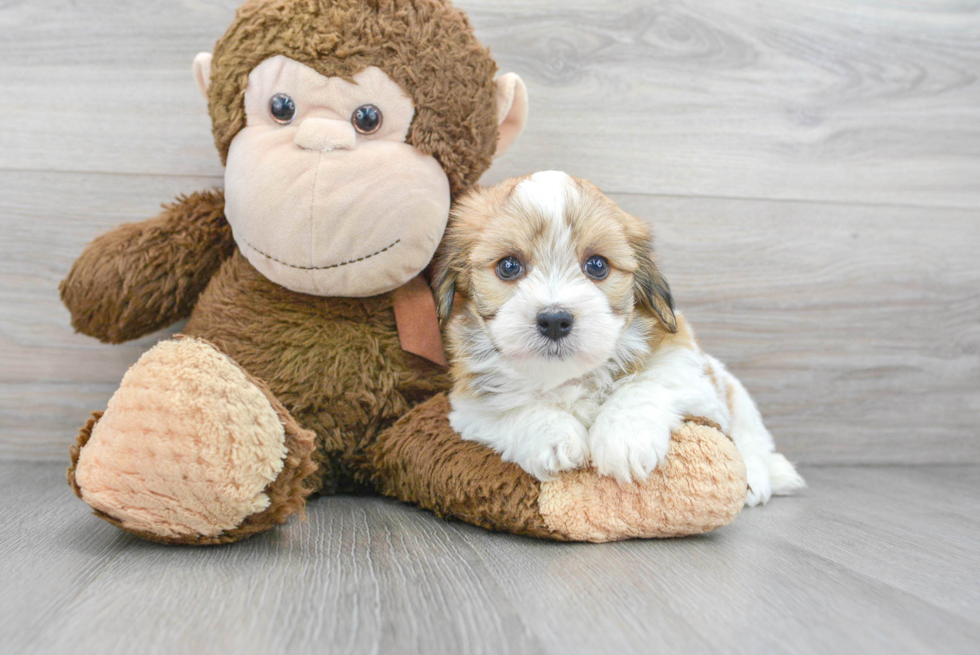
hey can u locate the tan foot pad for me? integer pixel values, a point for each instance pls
(700, 487)
(189, 448)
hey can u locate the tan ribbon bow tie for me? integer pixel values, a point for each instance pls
(418, 324)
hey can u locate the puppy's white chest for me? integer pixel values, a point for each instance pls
(583, 400)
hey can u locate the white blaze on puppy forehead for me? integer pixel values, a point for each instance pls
(548, 192)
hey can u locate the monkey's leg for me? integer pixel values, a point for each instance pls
(192, 450)
(420, 460)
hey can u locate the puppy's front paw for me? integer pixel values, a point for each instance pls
(759, 483)
(628, 445)
(562, 446)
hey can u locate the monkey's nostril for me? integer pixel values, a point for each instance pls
(555, 324)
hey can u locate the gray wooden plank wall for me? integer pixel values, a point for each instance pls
(811, 167)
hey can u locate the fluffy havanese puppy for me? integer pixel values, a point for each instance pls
(566, 349)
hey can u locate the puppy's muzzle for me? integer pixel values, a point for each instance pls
(555, 324)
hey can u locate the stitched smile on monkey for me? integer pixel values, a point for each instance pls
(354, 190)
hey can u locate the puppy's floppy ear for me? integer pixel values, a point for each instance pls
(444, 282)
(652, 290)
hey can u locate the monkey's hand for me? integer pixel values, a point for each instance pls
(142, 277)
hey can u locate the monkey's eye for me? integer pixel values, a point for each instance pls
(509, 268)
(367, 119)
(597, 267)
(282, 108)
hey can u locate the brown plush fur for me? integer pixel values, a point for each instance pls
(422, 461)
(335, 363)
(426, 46)
(142, 277)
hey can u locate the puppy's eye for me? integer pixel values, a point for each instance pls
(509, 268)
(282, 108)
(597, 267)
(367, 119)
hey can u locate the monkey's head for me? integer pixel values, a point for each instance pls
(347, 127)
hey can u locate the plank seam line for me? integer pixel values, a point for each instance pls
(607, 190)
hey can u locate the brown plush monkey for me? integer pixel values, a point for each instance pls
(347, 127)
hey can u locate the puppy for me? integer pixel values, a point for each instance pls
(566, 349)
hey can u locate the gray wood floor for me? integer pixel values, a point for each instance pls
(812, 171)
(869, 560)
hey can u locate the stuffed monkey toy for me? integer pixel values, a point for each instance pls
(312, 361)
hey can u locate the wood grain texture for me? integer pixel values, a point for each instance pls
(857, 328)
(867, 560)
(860, 101)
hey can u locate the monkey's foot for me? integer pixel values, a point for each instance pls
(192, 450)
(699, 487)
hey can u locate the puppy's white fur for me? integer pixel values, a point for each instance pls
(613, 390)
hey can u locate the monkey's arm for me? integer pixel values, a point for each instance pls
(144, 276)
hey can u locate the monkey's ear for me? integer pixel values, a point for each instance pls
(653, 292)
(202, 72)
(511, 110)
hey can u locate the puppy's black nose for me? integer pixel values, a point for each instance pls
(555, 323)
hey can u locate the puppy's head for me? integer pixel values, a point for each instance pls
(549, 272)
